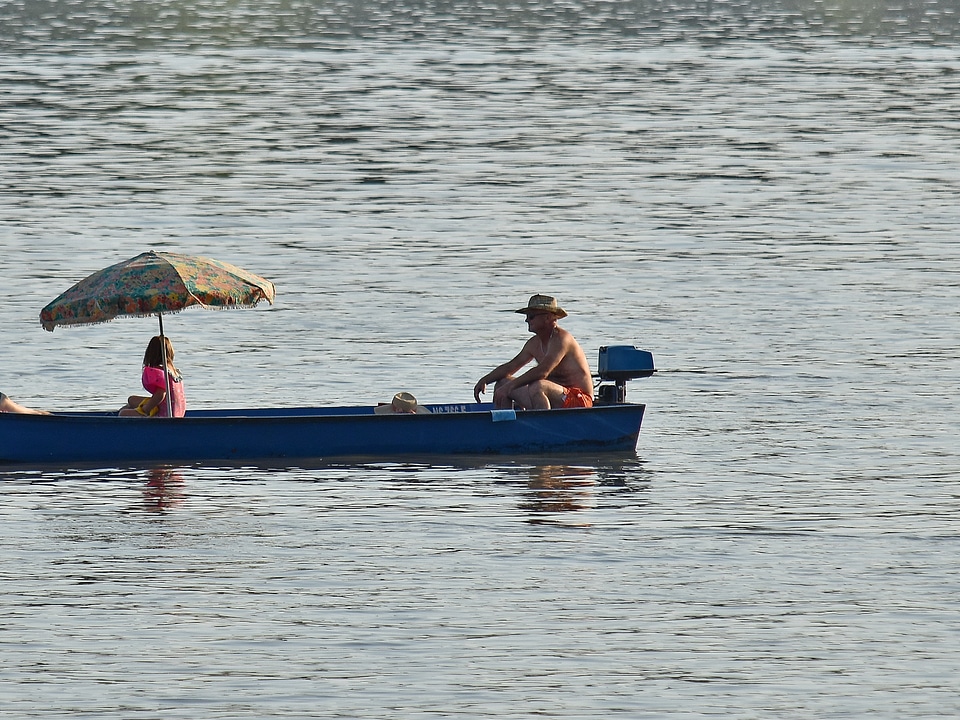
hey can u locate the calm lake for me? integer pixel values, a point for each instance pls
(763, 194)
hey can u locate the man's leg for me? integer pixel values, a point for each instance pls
(508, 405)
(539, 395)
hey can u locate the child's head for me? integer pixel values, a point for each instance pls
(153, 357)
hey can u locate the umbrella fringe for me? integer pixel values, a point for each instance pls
(51, 326)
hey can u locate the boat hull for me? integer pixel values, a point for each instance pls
(314, 433)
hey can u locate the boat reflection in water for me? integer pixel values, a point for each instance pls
(559, 489)
(555, 491)
(165, 490)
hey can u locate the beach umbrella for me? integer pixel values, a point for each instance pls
(154, 283)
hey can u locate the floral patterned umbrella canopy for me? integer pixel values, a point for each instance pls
(154, 283)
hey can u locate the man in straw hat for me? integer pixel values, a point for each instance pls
(561, 377)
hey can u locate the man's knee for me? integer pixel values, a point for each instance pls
(548, 389)
(538, 386)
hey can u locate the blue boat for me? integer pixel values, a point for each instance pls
(290, 434)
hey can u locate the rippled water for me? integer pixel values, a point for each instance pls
(763, 194)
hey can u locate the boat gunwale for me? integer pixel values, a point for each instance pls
(314, 412)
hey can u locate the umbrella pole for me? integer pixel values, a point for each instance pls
(166, 373)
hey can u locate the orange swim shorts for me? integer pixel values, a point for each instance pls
(575, 397)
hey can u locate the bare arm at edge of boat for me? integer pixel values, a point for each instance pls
(10, 406)
(507, 369)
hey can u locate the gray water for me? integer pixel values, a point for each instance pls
(763, 194)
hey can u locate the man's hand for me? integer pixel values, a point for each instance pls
(479, 389)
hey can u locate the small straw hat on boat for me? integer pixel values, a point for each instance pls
(402, 403)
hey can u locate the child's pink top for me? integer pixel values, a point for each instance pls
(153, 381)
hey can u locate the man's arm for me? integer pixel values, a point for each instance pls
(557, 349)
(502, 371)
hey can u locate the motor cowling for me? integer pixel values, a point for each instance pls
(616, 365)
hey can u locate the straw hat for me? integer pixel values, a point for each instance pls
(403, 402)
(543, 303)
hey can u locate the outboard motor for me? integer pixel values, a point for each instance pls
(617, 364)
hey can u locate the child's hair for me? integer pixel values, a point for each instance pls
(153, 357)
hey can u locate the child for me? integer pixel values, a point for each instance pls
(155, 383)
